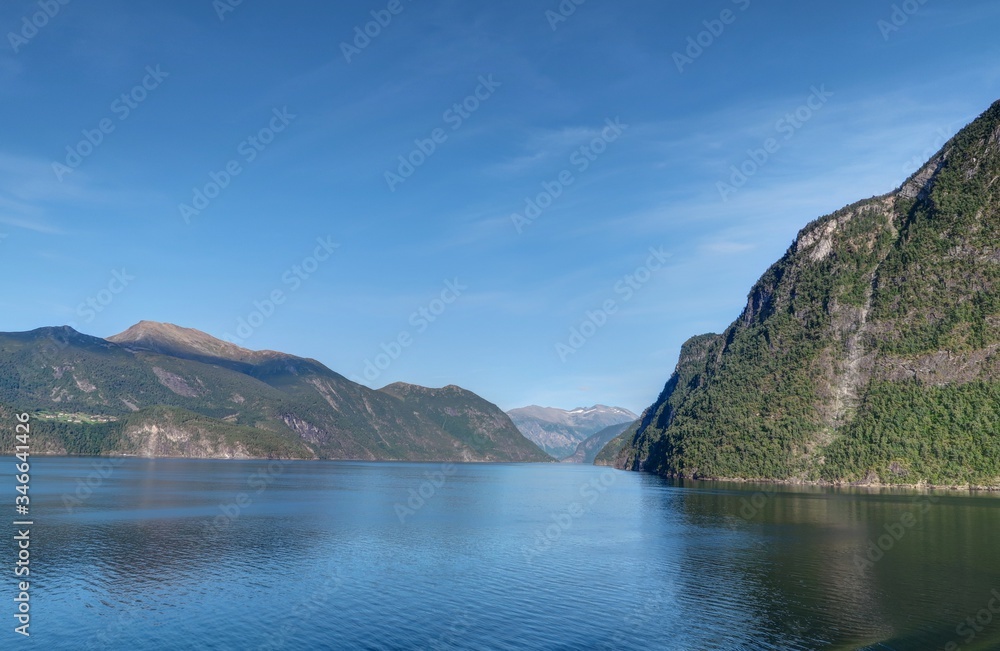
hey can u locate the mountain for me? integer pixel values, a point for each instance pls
(586, 451)
(186, 343)
(558, 431)
(608, 455)
(868, 353)
(162, 390)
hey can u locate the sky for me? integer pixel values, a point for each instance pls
(537, 201)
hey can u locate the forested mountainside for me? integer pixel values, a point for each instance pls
(161, 390)
(868, 353)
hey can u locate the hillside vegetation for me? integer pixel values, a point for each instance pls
(868, 353)
(161, 390)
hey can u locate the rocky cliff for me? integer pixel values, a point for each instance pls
(868, 353)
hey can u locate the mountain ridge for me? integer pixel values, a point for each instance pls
(588, 449)
(162, 390)
(878, 328)
(560, 431)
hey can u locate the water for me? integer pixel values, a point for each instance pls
(180, 554)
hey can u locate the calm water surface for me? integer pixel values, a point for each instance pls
(179, 554)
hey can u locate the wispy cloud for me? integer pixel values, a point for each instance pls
(31, 225)
(727, 248)
(541, 146)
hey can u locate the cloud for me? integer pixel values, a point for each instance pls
(543, 145)
(37, 226)
(727, 248)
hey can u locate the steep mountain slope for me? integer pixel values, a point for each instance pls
(161, 390)
(587, 450)
(558, 431)
(868, 353)
(482, 427)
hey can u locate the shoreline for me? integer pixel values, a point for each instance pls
(285, 459)
(871, 486)
(822, 483)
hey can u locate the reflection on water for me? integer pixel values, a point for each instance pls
(179, 554)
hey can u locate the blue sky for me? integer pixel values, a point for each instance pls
(437, 263)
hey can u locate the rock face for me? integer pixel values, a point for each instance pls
(868, 353)
(161, 390)
(558, 431)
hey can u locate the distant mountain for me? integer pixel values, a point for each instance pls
(558, 431)
(608, 455)
(162, 390)
(869, 353)
(586, 451)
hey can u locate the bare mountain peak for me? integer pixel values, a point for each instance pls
(167, 338)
